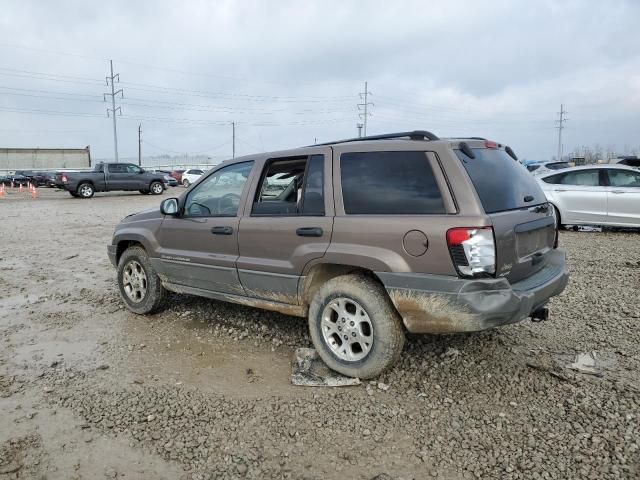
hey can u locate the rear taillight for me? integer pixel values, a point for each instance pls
(64, 179)
(491, 144)
(473, 250)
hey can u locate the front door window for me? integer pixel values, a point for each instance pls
(219, 194)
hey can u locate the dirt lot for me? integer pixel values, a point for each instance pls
(88, 390)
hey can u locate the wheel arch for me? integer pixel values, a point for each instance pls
(128, 240)
(557, 210)
(320, 273)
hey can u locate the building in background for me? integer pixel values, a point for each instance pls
(12, 159)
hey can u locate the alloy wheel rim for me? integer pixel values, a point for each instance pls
(85, 190)
(157, 188)
(134, 281)
(347, 329)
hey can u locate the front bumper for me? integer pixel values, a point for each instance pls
(112, 252)
(445, 304)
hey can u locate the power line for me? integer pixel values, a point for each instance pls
(114, 110)
(560, 127)
(364, 96)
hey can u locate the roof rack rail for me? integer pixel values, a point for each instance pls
(415, 135)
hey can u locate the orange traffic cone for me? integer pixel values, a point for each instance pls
(20, 189)
(34, 193)
(2, 192)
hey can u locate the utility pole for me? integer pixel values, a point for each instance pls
(140, 145)
(561, 126)
(233, 142)
(359, 125)
(365, 107)
(111, 82)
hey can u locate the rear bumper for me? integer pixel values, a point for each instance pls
(445, 304)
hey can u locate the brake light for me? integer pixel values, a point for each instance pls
(473, 250)
(490, 144)
(64, 179)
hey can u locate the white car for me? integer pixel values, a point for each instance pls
(191, 176)
(594, 195)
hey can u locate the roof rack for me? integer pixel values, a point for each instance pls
(415, 135)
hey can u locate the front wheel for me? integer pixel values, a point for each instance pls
(139, 284)
(355, 327)
(85, 190)
(156, 188)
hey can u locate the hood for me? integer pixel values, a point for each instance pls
(148, 214)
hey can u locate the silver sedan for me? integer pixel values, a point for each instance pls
(594, 195)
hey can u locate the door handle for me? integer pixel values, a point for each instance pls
(309, 232)
(617, 191)
(222, 230)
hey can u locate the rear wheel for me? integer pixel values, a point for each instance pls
(139, 284)
(185, 183)
(355, 327)
(85, 190)
(156, 188)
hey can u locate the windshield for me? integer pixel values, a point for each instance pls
(501, 182)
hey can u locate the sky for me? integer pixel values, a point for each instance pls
(289, 73)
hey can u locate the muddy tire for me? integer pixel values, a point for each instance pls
(355, 327)
(138, 283)
(85, 190)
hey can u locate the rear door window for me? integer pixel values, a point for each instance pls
(623, 178)
(117, 168)
(501, 182)
(291, 186)
(389, 183)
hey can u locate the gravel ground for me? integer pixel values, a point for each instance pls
(202, 390)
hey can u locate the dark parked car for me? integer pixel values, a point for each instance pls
(50, 179)
(631, 161)
(367, 238)
(109, 177)
(16, 179)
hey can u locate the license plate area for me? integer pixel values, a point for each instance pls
(534, 237)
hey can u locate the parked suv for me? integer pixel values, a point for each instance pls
(368, 238)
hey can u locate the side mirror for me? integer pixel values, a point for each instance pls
(169, 207)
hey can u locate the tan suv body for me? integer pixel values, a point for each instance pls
(366, 237)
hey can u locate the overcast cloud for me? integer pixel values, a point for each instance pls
(289, 72)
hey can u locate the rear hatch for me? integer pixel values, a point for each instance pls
(522, 219)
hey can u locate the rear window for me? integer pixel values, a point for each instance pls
(501, 182)
(389, 183)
